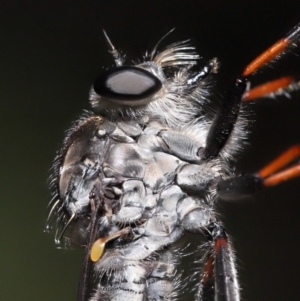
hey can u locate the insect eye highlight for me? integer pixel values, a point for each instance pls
(127, 83)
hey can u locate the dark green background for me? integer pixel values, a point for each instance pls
(50, 53)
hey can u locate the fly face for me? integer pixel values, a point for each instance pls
(147, 165)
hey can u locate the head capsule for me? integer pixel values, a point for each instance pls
(124, 87)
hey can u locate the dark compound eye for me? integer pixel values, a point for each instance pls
(127, 83)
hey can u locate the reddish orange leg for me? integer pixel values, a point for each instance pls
(275, 86)
(271, 53)
(223, 124)
(267, 173)
(218, 268)
(267, 56)
(206, 287)
(270, 175)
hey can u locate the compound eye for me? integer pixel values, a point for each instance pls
(127, 83)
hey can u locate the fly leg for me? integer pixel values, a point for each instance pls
(219, 279)
(96, 203)
(222, 126)
(219, 276)
(272, 174)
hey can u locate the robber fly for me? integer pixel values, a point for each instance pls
(147, 165)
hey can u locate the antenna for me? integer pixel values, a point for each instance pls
(115, 53)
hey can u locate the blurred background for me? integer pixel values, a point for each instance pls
(50, 54)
